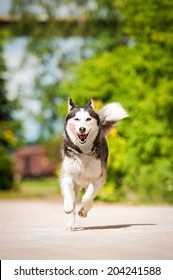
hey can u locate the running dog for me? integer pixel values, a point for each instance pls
(85, 154)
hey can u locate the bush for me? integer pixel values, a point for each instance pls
(6, 171)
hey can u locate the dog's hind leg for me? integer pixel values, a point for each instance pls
(87, 199)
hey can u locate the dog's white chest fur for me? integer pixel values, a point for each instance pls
(84, 169)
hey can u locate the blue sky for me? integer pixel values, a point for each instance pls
(4, 6)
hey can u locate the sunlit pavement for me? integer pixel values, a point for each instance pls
(32, 229)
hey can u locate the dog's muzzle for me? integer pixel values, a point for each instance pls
(82, 137)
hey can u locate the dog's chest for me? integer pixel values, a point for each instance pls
(84, 169)
(90, 165)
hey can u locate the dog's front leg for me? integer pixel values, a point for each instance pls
(69, 195)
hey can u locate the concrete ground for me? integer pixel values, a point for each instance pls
(32, 229)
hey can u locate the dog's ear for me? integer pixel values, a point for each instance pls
(71, 105)
(90, 104)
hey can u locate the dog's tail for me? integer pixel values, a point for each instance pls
(110, 114)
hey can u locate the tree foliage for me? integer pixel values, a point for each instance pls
(139, 76)
(94, 23)
(149, 21)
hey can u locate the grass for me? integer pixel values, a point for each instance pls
(48, 188)
(34, 188)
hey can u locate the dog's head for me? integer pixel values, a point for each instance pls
(82, 122)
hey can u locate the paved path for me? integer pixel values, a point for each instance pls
(33, 230)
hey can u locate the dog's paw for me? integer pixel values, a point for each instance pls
(69, 228)
(82, 213)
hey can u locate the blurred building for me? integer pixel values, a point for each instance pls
(32, 161)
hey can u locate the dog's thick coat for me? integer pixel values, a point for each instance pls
(85, 153)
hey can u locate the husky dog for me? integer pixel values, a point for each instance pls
(85, 154)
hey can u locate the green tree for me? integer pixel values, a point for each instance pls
(139, 76)
(148, 21)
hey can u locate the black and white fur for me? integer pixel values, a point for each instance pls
(85, 154)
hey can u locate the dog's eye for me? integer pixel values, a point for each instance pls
(76, 119)
(88, 119)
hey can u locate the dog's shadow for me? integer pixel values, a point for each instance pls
(111, 227)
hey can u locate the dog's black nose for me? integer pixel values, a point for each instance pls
(82, 129)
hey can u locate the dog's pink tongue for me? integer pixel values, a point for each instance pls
(72, 128)
(82, 137)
